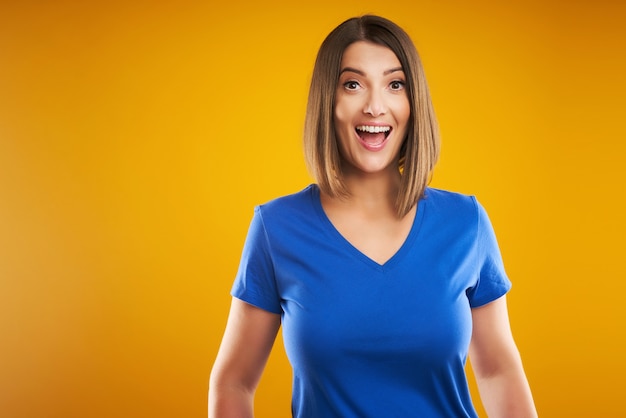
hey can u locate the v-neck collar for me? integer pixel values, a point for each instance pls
(347, 245)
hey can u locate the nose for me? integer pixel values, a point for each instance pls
(375, 104)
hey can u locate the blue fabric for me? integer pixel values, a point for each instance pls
(371, 340)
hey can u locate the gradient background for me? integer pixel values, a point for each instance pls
(136, 137)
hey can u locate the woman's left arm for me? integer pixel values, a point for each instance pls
(497, 364)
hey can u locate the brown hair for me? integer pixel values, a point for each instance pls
(420, 149)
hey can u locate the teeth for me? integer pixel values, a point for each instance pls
(373, 129)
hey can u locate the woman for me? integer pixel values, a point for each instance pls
(381, 284)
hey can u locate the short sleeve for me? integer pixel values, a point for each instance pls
(492, 282)
(255, 281)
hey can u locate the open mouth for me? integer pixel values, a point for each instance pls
(373, 136)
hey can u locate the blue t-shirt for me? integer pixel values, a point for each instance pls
(372, 340)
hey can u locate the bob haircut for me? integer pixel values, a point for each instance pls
(420, 149)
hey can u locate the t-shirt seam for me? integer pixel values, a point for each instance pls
(490, 276)
(478, 246)
(270, 253)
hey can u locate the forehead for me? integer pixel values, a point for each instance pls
(374, 58)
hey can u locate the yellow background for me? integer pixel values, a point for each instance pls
(136, 137)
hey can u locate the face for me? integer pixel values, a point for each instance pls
(371, 109)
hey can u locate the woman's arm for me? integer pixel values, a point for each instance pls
(246, 345)
(497, 364)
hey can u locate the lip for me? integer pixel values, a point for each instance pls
(373, 147)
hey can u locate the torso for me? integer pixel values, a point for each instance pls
(351, 324)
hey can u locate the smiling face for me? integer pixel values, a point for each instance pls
(372, 109)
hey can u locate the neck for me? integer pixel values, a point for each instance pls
(374, 193)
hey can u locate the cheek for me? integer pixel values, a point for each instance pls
(403, 111)
(341, 112)
(342, 118)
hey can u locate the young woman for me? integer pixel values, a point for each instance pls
(382, 285)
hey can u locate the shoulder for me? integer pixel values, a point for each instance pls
(291, 217)
(456, 208)
(449, 201)
(289, 208)
(294, 201)
(452, 209)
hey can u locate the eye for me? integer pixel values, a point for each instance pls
(351, 85)
(397, 85)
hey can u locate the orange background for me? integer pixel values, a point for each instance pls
(136, 137)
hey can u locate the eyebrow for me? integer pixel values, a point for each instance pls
(359, 72)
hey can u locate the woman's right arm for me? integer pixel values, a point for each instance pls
(246, 345)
